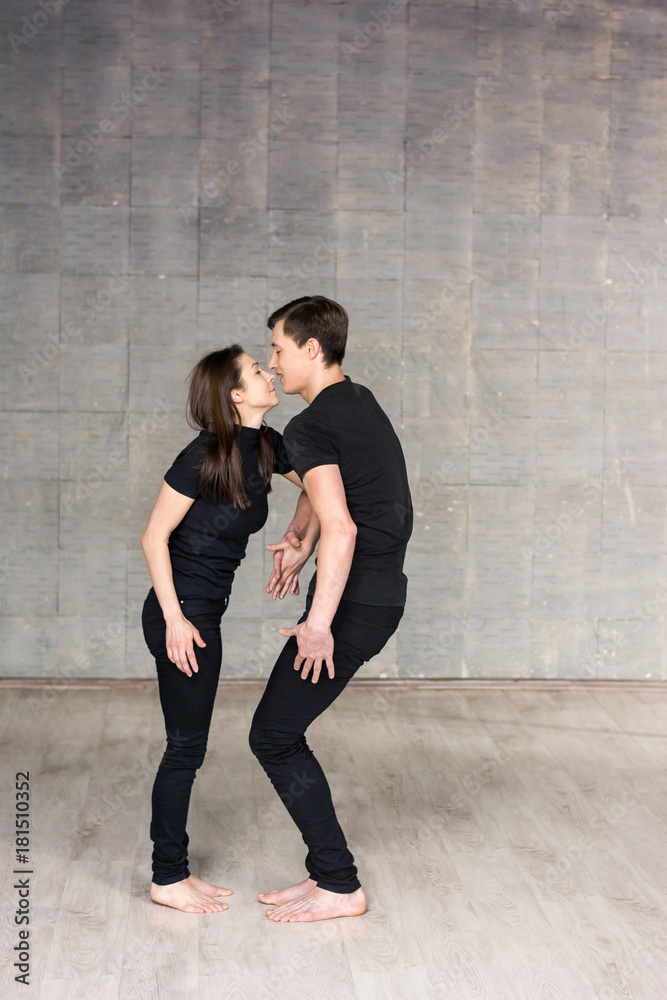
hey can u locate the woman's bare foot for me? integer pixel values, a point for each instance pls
(208, 888)
(280, 896)
(320, 904)
(187, 895)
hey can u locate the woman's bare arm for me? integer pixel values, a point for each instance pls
(292, 552)
(169, 510)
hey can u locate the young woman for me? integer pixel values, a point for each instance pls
(212, 499)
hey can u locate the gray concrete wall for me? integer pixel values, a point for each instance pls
(481, 184)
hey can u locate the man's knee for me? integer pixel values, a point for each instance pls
(260, 741)
(274, 747)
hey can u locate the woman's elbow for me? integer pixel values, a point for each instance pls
(147, 539)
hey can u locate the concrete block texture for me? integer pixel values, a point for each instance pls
(480, 183)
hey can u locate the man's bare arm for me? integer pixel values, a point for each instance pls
(337, 541)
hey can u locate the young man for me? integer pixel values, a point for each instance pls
(345, 450)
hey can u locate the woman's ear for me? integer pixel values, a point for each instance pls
(237, 395)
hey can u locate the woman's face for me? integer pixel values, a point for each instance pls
(256, 391)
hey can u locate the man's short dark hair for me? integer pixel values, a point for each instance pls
(318, 317)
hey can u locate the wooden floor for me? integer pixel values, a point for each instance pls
(512, 844)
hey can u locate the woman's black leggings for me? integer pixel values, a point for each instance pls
(187, 705)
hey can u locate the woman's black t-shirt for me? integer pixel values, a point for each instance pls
(210, 542)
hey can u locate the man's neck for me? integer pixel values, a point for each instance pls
(319, 381)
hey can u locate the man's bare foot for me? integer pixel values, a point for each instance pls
(280, 896)
(320, 904)
(191, 895)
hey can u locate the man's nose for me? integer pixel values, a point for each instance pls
(272, 362)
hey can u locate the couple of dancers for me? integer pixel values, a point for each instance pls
(344, 455)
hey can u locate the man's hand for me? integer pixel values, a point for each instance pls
(289, 558)
(179, 641)
(316, 646)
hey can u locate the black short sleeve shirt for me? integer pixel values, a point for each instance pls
(345, 426)
(210, 542)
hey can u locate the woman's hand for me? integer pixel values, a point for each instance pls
(179, 640)
(289, 557)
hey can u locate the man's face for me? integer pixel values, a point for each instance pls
(288, 361)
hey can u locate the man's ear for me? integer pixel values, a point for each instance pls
(313, 347)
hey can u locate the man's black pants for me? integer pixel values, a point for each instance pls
(288, 706)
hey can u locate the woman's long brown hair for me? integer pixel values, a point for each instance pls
(210, 407)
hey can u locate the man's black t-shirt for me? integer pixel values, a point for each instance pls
(345, 426)
(210, 542)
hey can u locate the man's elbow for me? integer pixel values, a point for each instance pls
(342, 527)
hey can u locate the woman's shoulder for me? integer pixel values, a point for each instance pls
(194, 449)
(183, 474)
(275, 435)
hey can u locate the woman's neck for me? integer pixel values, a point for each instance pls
(254, 418)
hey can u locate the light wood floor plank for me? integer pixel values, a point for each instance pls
(511, 844)
(90, 932)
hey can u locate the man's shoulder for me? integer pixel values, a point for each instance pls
(295, 423)
(324, 413)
